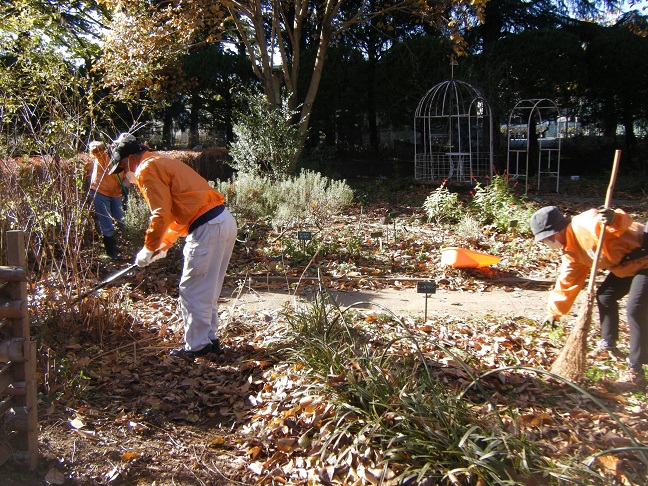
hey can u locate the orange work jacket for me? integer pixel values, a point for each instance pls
(582, 234)
(176, 194)
(100, 181)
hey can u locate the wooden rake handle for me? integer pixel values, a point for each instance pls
(608, 201)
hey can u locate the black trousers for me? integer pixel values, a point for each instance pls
(608, 295)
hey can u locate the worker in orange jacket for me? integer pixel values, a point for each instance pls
(624, 254)
(106, 193)
(182, 203)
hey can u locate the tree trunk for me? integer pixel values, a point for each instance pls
(630, 137)
(167, 129)
(194, 116)
(307, 107)
(374, 139)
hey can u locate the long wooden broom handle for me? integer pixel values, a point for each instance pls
(608, 201)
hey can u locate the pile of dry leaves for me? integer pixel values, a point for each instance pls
(116, 409)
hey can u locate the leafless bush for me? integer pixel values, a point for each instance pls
(211, 163)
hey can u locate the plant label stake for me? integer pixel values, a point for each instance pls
(378, 234)
(426, 288)
(513, 225)
(393, 216)
(303, 237)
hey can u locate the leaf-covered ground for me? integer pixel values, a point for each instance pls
(116, 409)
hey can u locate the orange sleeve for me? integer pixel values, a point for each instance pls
(570, 281)
(158, 197)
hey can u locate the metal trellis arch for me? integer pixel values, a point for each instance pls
(534, 133)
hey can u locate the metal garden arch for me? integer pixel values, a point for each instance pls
(453, 133)
(534, 134)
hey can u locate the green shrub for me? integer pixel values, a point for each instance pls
(136, 217)
(267, 140)
(498, 205)
(442, 205)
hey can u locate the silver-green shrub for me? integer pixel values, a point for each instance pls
(468, 228)
(246, 195)
(308, 198)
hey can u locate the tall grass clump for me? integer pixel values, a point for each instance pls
(395, 412)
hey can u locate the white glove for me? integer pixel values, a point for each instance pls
(97, 147)
(143, 258)
(158, 256)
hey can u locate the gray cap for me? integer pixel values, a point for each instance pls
(125, 145)
(547, 222)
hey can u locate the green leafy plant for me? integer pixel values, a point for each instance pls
(136, 217)
(442, 205)
(497, 204)
(266, 139)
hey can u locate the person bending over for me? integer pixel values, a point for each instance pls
(183, 204)
(623, 254)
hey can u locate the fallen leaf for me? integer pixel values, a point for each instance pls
(129, 456)
(218, 441)
(54, 476)
(77, 423)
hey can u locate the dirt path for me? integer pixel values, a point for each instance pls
(517, 301)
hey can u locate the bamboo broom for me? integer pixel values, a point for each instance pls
(570, 363)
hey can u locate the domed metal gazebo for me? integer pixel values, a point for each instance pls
(453, 133)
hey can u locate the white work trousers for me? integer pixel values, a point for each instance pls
(207, 252)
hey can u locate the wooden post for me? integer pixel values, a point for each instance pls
(18, 373)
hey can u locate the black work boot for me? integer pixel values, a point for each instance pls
(110, 243)
(216, 347)
(191, 355)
